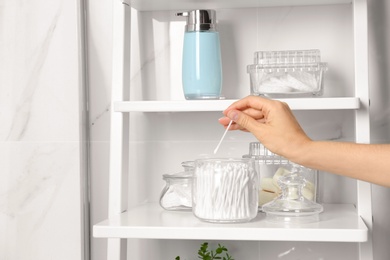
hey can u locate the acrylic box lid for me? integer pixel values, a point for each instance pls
(287, 57)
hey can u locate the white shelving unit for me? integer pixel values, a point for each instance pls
(338, 222)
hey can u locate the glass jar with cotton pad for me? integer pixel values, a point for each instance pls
(291, 205)
(271, 167)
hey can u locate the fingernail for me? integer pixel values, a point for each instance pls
(233, 115)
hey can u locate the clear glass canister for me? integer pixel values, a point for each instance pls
(292, 205)
(225, 190)
(271, 167)
(177, 193)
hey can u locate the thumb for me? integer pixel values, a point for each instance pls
(245, 121)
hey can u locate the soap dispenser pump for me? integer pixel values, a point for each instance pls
(201, 65)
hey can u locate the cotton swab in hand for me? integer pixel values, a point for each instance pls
(223, 136)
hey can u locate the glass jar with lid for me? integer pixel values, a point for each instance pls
(177, 194)
(293, 205)
(225, 190)
(271, 167)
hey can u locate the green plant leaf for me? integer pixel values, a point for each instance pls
(205, 253)
(219, 250)
(204, 247)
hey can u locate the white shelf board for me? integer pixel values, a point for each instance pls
(153, 5)
(338, 223)
(220, 105)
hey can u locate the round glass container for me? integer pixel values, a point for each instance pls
(291, 205)
(225, 190)
(177, 194)
(271, 167)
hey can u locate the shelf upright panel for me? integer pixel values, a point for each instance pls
(362, 122)
(117, 197)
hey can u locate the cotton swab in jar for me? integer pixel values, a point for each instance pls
(223, 136)
(225, 192)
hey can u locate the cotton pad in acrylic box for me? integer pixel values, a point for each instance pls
(292, 73)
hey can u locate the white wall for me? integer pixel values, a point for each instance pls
(151, 74)
(40, 137)
(379, 53)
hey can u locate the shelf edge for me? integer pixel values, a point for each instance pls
(348, 103)
(151, 5)
(155, 223)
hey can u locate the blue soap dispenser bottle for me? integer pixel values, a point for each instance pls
(201, 65)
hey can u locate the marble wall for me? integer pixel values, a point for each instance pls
(40, 130)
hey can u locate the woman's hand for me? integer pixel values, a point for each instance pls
(270, 121)
(274, 125)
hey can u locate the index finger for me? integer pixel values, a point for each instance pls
(255, 102)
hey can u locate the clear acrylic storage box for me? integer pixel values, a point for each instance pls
(271, 167)
(292, 73)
